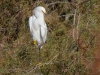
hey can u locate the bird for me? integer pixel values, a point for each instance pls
(38, 26)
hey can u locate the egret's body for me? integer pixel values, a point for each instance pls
(38, 27)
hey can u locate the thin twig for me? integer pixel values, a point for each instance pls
(74, 25)
(82, 2)
(78, 26)
(39, 65)
(56, 3)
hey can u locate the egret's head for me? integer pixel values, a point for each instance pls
(39, 9)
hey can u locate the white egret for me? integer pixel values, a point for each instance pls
(38, 27)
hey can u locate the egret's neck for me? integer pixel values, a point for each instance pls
(40, 16)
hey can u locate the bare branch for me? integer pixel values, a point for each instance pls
(41, 64)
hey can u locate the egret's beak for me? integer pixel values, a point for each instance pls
(44, 12)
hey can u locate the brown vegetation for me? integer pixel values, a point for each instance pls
(72, 46)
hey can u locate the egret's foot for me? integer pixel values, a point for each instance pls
(41, 64)
(35, 42)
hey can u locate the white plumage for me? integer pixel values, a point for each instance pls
(38, 27)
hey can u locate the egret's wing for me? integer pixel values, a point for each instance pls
(34, 28)
(43, 32)
(33, 25)
(31, 19)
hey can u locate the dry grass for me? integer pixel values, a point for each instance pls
(71, 38)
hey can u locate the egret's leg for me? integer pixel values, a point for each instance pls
(35, 43)
(39, 61)
(39, 55)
